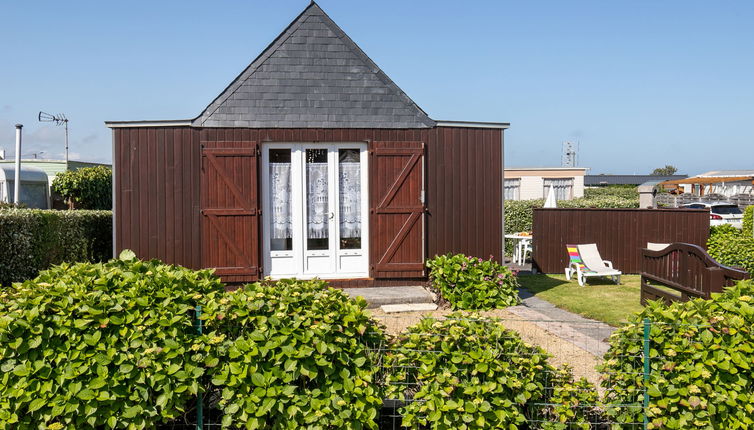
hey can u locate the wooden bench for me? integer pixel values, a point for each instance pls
(686, 269)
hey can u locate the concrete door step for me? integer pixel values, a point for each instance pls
(378, 296)
(415, 307)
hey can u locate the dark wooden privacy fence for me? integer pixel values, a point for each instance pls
(620, 234)
(685, 268)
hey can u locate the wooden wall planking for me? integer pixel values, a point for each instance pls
(158, 185)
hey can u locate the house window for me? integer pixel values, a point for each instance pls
(563, 188)
(512, 189)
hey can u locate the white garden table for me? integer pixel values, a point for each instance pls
(519, 246)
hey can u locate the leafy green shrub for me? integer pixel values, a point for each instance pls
(86, 188)
(471, 373)
(701, 363)
(33, 239)
(293, 354)
(100, 345)
(473, 283)
(746, 227)
(573, 404)
(731, 247)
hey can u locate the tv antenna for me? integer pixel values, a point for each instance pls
(58, 119)
(569, 157)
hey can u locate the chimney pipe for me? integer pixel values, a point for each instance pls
(17, 179)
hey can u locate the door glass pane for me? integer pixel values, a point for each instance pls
(349, 184)
(317, 209)
(281, 218)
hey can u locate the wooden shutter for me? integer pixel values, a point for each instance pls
(396, 191)
(230, 210)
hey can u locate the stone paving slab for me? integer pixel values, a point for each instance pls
(414, 307)
(378, 296)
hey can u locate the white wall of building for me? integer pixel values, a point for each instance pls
(532, 180)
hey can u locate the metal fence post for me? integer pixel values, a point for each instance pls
(646, 371)
(199, 396)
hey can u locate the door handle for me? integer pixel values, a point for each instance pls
(332, 215)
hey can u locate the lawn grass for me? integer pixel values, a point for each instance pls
(599, 299)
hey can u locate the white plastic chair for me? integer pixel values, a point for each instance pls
(524, 248)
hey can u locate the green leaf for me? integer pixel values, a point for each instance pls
(257, 379)
(36, 404)
(132, 412)
(86, 394)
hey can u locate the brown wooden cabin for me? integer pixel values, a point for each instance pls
(311, 163)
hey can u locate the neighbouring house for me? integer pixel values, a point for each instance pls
(527, 183)
(591, 181)
(311, 163)
(34, 191)
(723, 183)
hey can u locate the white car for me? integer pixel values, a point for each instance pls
(720, 213)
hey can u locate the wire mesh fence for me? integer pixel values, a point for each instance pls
(491, 370)
(501, 370)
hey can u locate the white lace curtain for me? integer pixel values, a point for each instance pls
(316, 200)
(350, 199)
(280, 180)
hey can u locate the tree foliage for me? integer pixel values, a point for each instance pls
(667, 170)
(86, 188)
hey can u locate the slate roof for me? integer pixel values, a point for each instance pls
(313, 76)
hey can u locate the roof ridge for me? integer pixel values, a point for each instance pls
(363, 55)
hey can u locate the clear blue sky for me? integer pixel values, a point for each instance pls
(638, 83)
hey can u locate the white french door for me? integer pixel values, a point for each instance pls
(315, 210)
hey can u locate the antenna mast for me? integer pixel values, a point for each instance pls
(570, 156)
(58, 119)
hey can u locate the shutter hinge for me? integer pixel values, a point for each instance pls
(259, 152)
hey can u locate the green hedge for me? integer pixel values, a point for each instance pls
(33, 239)
(293, 354)
(469, 372)
(630, 192)
(731, 246)
(108, 345)
(701, 355)
(473, 283)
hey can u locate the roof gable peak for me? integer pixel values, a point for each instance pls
(313, 76)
